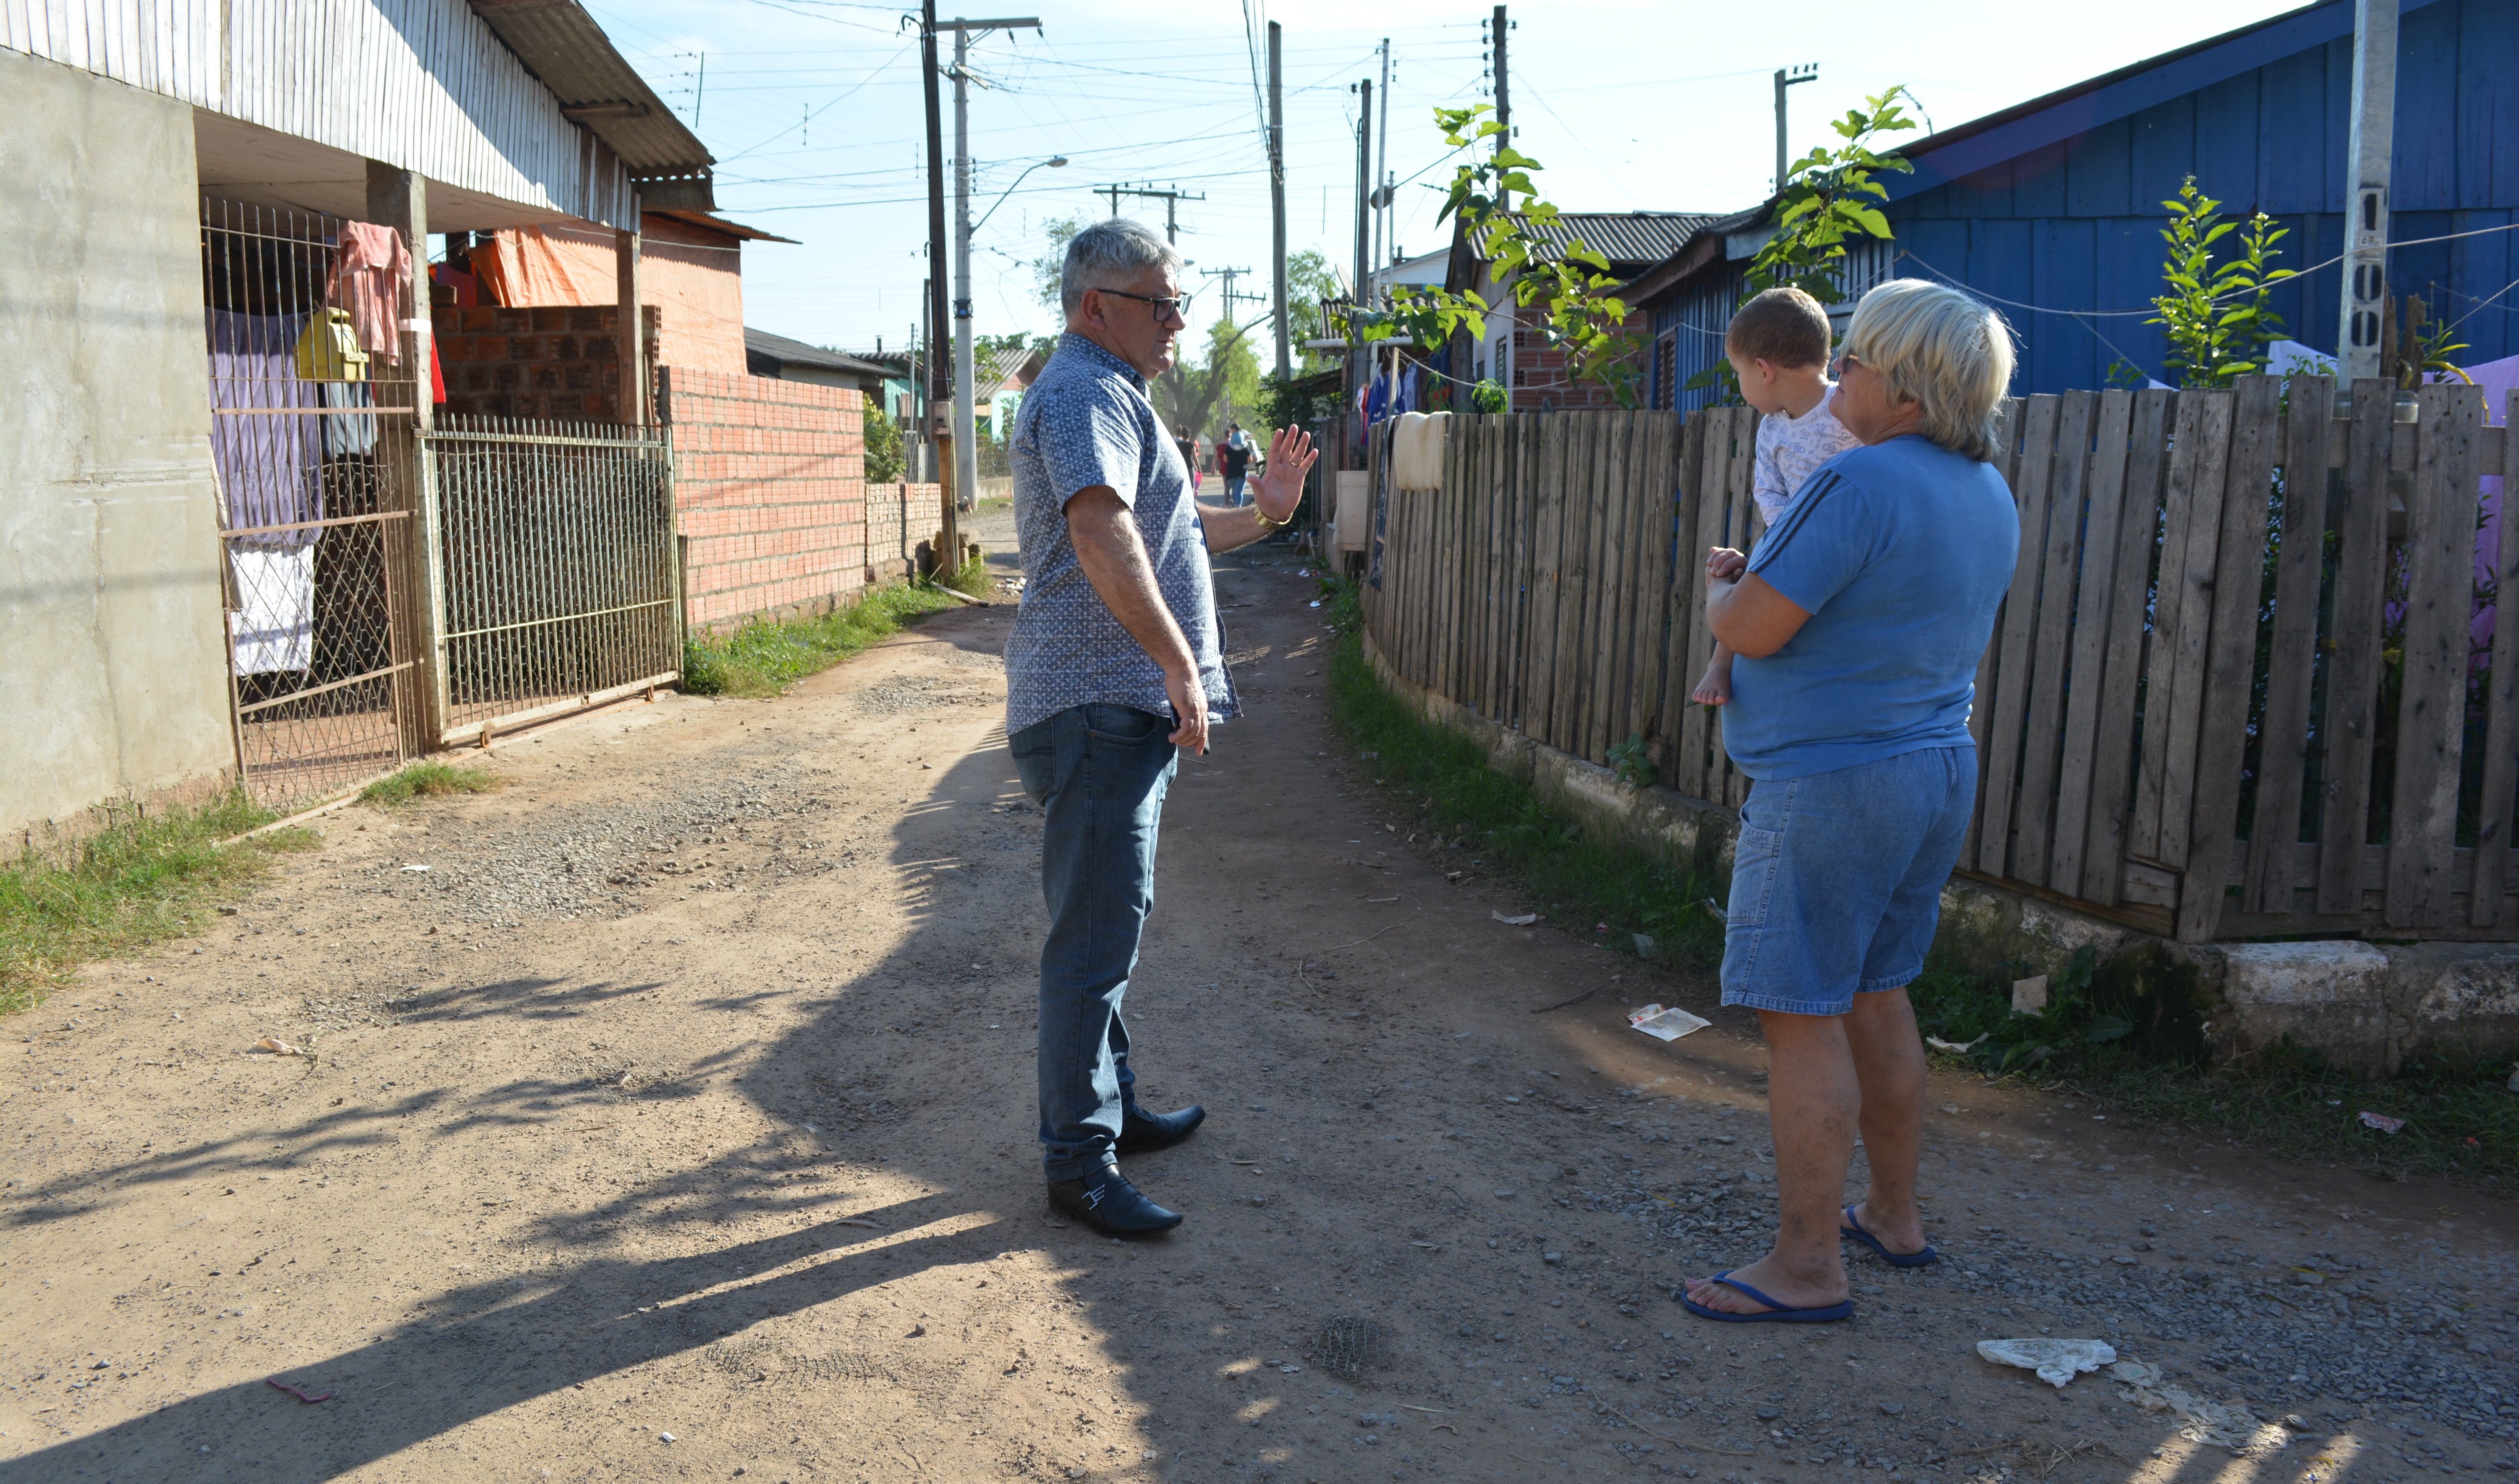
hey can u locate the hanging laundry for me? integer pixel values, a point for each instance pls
(328, 350)
(266, 464)
(352, 432)
(272, 627)
(368, 278)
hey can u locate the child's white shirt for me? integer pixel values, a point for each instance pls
(1791, 449)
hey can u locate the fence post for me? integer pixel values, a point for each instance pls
(399, 199)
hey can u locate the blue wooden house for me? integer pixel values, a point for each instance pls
(2051, 210)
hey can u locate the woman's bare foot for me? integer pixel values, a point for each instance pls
(1716, 689)
(1816, 1288)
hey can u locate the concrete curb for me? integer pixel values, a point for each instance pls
(2368, 1007)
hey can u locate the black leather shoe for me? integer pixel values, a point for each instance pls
(1142, 1132)
(1106, 1201)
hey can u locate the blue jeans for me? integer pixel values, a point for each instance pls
(1837, 880)
(1099, 773)
(1233, 489)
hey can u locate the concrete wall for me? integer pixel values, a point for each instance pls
(113, 655)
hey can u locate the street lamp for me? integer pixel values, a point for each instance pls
(1055, 163)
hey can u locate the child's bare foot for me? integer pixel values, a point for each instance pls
(1716, 689)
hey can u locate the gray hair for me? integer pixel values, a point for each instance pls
(1942, 349)
(1109, 253)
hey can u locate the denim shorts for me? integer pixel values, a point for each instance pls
(1837, 880)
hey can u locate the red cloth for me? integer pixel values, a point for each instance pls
(437, 372)
(367, 281)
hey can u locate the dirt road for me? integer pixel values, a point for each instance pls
(672, 1119)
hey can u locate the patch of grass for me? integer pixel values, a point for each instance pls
(2119, 1037)
(429, 780)
(1447, 788)
(972, 578)
(763, 659)
(144, 878)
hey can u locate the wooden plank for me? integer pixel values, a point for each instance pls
(2231, 648)
(1744, 528)
(1610, 582)
(1688, 436)
(1712, 477)
(2283, 735)
(1574, 587)
(1514, 437)
(1504, 591)
(1448, 578)
(2042, 726)
(2431, 715)
(2355, 663)
(1485, 500)
(2181, 615)
(1627, 600)
(2031, 477)
(2500, 741)
(2091, 608)
(2146, 466)
(1981, 695)
(1653, 486)
(1548, 556)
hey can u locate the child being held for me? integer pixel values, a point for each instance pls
(1778, 344)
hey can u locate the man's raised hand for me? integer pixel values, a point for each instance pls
(1280, 486)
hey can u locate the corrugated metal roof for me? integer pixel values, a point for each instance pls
(596, 87)
(716, 222)
(789, 352)
(1627, 239)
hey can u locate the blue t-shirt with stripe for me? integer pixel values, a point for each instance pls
(1900, 553)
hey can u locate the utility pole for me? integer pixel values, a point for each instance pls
(1277, 188)
(1787, 77)
(2370, 135)
(966, 453)
(1504, 99)
(1170, 199)
(1381, 176)
(939, 434)
(1358, 358)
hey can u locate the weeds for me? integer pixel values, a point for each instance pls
(427, 780)
(972, 576)
(144, 878)
(2124, 1036)
(1614, 890)
(763, 659)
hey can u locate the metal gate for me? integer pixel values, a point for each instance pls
(314, 512)
(558, 573)
(393, 587)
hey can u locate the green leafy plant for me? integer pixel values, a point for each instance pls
(1561, 288)
(885, 459)
(1488, 396)
(1829, 196)
(1632, 761)
(2215, 315)
(2413, 344)
(1342, 604)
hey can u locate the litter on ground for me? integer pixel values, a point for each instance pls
(1665, 1025)
(2057, 1360)
(2215, 1424)
(2381, 1121)
(1524, 921)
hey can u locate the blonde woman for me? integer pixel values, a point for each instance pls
(1858, 623)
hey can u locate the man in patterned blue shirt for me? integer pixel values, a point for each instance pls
(1115, 666)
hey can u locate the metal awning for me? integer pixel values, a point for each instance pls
(561, 44)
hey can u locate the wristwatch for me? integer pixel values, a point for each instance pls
(1265, 520)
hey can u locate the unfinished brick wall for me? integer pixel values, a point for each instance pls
(1542, 382)
(557, 363)
(775, 516)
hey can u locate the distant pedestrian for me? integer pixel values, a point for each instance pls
(1859, 623)
(1236, 458)
(1116, 665)
(1188, 447)
(1778, 346)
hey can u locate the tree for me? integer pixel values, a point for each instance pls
(1561, 288)
(884, 457)
(1828, 197)
(1310, 284)
(1205, 397)
(1050, 266)
(2216, 317)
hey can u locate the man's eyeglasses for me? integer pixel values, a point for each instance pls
(1165, 309)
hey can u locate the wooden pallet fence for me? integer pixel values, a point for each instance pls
(2234, 688)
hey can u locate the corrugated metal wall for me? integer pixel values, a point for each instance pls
(421, 84)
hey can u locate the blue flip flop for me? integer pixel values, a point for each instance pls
(1776, 1313)
(1854, 1229)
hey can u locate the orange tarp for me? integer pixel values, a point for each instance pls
(694, 277)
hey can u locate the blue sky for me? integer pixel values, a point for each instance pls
(814, 110)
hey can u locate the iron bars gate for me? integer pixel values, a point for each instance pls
(314, 507)
(559, 571)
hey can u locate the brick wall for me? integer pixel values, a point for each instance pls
(1543, 383)
(775, 516)
(557, 363)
